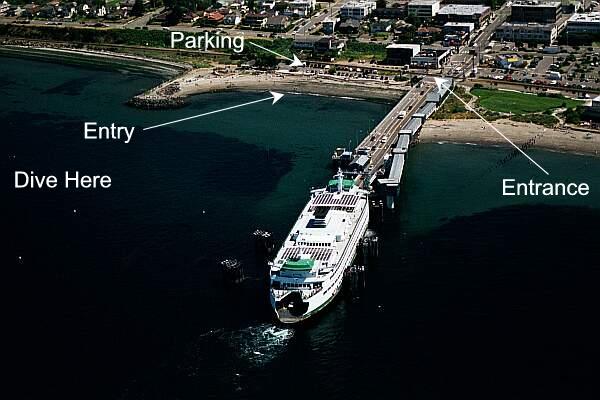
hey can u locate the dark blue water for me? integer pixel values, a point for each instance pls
(116, 293)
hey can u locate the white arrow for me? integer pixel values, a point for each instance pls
(445, 82)
(295, 62)
(274, 95)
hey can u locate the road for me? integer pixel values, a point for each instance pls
(313, 23)
(143, 20)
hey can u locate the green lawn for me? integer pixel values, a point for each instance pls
(519, 103)
(361, 50)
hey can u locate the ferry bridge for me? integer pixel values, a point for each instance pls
(378, 161)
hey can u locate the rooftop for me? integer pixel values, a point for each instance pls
(463, 9)
(422, 2)
(589, 17)
(536, 3)
(530, 25)
(403, 46)
(352, 4)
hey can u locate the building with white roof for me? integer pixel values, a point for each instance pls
(528, 33)
(357, 9)
(475, 13)
(584, 24)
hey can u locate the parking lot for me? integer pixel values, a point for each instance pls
(572, 66)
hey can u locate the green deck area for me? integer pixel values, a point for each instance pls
(299, 265)
(520, 103)
(346, 183)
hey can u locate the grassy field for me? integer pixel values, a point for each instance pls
(365, 51)
(453, 108)
(519, 103)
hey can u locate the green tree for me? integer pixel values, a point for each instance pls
(381, 3)
(138, 8)
(281, 6)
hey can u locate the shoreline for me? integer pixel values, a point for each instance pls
(470, 132)
(60, 53)
(216, 80)
(194, 82)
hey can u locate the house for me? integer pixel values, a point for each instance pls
(428, 33)
(592, 113)
(267, 5)
(4, 7)
(233, 19)
(127, 6)
(277, 23)
(254, 20)
(66, 10)
(324, 45)
(301, 8)
(47, 12)
(383, 25)
(161, 18)
(190, 17)
(213, 18)
(29, 10)
(350, 26)
(305, 42)
(329, 45)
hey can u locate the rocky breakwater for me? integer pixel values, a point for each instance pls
(163, 97)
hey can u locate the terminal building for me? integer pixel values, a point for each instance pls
(477, 14)
(536, 11)
(423, 8)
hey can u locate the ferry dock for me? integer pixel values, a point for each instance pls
(377, 163)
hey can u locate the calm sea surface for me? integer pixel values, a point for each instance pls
(115, 294)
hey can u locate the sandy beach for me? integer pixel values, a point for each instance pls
(476, 131)
(200, 81)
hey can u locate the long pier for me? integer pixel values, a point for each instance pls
(378, 161)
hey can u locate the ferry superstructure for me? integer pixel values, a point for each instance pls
(308, 271)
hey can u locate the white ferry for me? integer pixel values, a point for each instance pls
(308, 271)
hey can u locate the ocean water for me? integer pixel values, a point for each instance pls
(116, 294)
